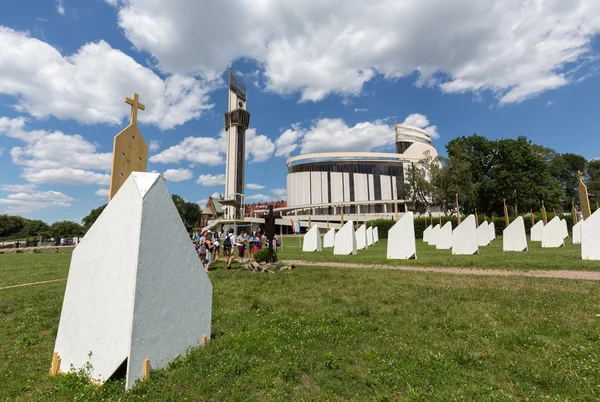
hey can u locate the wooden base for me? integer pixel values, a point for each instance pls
(146, 369)
(55, 369)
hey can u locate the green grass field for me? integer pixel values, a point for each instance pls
(335, 334)
(490, 257)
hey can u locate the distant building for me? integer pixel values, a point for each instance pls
(258, 209)
(213, 210)
(363, 183)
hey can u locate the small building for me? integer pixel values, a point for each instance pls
(213, 210)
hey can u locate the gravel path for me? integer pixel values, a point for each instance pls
(33, 283)
(586, 275)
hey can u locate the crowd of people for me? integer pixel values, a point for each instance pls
(209, 244)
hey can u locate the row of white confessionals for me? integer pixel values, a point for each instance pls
(347, 240)
(465, 239)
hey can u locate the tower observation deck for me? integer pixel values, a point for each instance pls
(237, 120)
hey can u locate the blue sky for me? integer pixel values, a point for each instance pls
(320, 77)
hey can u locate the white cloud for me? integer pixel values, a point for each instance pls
(203, 150)
(65, 176)
(329, 135)
(178, 174)
(286, 143)
(102, 192)
(360, 109)
(252, 186)
(48, 155)
(154, 146)
(417, 120)
(89, 86)
(432, 131)
(111, 2)
(281, 193)
(30, 201)
(515, 49)
(210, 180)
(211, 151)
(18, 188)
(550, 103)
(258, 197)
(334, 135)
(421, 121)
(259, 147)
(202, 202)
(60, 6)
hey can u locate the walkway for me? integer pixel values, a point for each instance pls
(585, 275)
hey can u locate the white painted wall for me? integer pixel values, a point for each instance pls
(136, 288)
(315, 188)
(552, 234)
(444, 237)
(361, 238)
(329, 239)
(371, 188)
(492, 228)
(173, 295)
(337, 187)
(401, 239)
(483, 234)
(514, 237)
(361, 192)
(536, 231)
(312, 240)
(590, 237)
(434, 234)
(565, 230)
(346, 177)
(345, 240)
(324, 187)
(386, 187)
(370, 236)
(577, 233)
(464, 237)
(427, 233)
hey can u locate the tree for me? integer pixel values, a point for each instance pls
(416, 187)
(35, 228)
(593, 181)
(564, 169)
(188, 211)
(89, 220)
(66, 229)
(11, 226)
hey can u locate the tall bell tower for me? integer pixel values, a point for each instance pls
(237, 120)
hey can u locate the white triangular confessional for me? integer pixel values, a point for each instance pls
(136, 288)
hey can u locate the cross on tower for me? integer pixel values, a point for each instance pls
(135, 105)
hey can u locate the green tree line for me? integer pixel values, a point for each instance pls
(17, 227)
(485, 172)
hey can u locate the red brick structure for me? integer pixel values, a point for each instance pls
(251, 209)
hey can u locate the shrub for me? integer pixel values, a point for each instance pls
(262, 255)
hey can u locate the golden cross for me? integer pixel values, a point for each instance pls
(135, 105)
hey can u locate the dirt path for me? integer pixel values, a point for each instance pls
(33, 283)
(586, 275)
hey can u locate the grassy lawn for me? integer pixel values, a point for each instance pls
(567, 258)
(34, 267)
(337, 334)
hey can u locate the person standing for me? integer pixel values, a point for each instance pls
(208, 246)
(228, 245)
(241, 245)
(216, 246)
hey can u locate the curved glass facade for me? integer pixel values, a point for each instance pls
(345, 166)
